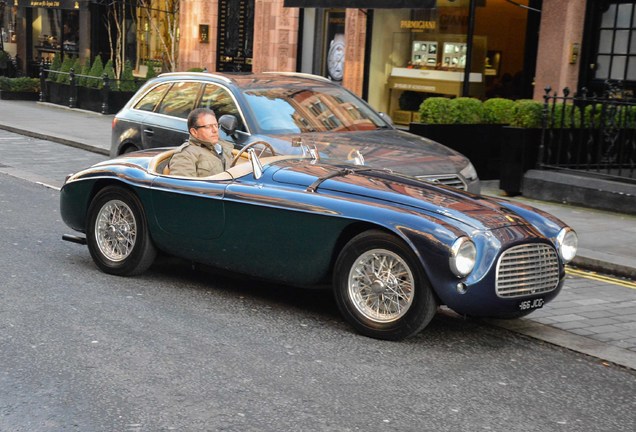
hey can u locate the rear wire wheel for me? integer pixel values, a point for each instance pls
(380, 287)
(117, 233)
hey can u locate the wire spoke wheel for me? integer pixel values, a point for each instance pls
(115, 230)
(381, 288)
(381, 285)
(117, 233)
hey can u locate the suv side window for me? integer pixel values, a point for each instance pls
(152, 98)
(219, 100)
(180, 99)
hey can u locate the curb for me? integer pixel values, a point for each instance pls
(573, 342)
(58, 140)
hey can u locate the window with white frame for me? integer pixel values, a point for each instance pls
(616, 53)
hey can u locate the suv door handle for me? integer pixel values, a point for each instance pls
(149, 132)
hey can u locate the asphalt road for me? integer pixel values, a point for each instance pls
(191, 350)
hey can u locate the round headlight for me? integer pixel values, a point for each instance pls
(568, 243)
(462, 259)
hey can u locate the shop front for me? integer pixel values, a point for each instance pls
(417, 49)
(40, 29)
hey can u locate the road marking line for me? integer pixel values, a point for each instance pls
(49, 186)
(601, 278)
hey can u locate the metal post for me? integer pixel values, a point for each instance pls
(544, 126)
(42, 82)
(469, 48)
(72, 100)
(105, 91)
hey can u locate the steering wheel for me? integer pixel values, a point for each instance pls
(266, 145)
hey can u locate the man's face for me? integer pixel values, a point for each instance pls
(206, 129)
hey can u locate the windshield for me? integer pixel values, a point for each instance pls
(326, 109)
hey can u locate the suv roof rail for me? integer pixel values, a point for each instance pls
(201, 74)
(300, 75)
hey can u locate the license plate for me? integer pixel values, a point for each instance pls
(531, 304)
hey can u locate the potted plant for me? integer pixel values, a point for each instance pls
(22, 88)
(520, 142)
(53, 91)
(459, 124)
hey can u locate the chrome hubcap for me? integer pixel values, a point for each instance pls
(381, 285)
(115, 230)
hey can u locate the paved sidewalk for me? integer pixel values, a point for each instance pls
(591, 315)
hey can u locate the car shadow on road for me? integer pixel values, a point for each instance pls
(446, 327)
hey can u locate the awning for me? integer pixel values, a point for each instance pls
(362, 4)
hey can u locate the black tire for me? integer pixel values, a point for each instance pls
(368, 304)
(120, 246)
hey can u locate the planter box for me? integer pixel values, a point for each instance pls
(481, 143)
(93, 100)
(19, 95)
(58, 93)
(519, 152)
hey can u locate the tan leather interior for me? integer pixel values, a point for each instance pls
(159, 165)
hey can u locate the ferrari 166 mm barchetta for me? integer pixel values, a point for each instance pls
(392, 248)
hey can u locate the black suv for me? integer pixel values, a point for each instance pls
(281, 109)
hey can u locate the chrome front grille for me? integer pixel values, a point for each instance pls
(527, 269)
(447, 180)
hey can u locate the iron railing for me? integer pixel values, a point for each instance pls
(589, 134)
(104, 85)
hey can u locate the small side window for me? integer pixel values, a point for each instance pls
(152, 98)
(180, 99)
(221, 102)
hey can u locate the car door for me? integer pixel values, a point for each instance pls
(189, 213)
(166, 126)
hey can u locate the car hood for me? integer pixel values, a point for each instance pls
(360, 183)
(390, 148)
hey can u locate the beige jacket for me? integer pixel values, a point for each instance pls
(199, 159)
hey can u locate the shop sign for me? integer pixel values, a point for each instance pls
(418, 25)
(52, 4)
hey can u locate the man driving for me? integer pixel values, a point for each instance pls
(202, 155)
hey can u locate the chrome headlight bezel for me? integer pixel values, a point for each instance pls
(463, 257)
(567, 243)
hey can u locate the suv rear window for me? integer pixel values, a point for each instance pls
(179, 100)
(152, 98)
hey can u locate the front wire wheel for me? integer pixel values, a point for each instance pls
(117, 233)
(381, 285)
(381, 288)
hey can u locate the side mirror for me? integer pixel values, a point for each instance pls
(228, 123)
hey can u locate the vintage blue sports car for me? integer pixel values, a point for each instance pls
(393, 248)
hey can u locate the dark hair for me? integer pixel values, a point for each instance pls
(197, 113)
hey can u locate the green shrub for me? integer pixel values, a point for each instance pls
(54, 67)
(150, 73)
(466, 110)
(67, 64)
(127, 82)
(77, 68)
(436, 110)
(95, 75)
(196, 69)
(4, 59)
(563, 115)
(22, 84)
(526, 113)
(109, 71)
(498, 111)
(83, 79)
